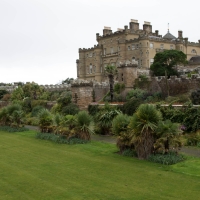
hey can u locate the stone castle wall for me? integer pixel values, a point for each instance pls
(172, 86)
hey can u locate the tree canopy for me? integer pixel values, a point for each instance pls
(165, 62)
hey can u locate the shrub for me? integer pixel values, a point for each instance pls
(45, 118)
(136, 93)
(166, 159)
(70, 109)
(120, 124)
(129, 153)
(93, 109)
(84, 125)
(36, 110)
(193, 139)
(13, 129)
(130, 106)
(60, 139)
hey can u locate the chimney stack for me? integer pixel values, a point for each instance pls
(107, 30)
(134, 25)
(147, 27)
(180, 34)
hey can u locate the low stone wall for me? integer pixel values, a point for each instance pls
(172, 86)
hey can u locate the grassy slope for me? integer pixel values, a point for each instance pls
(37, 169)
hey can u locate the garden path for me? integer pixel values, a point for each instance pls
(192, 151)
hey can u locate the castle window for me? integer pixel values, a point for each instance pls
(162, 46)
(151, 45)
(90, 68)
(111, 50)
(90, 55)
(147, 52)
(122, 77)
(87, 55)
(193, 51)
(133, 46)
(137, 46)
(171, 47)
(147, 44)
(133, 60)
(151, 61)
(129, 48)
(104, 51)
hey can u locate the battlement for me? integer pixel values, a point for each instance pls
(90, 49)
(56, 87)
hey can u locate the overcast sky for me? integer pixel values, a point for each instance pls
(39, 39)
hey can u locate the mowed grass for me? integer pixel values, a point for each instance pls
(38, 169)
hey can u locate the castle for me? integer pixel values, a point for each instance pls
(130, 49)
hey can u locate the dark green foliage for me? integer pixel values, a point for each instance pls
(70, 109)
(111, 71)
(13, 129)
(2, 93)
(59, 138)
(119, 87)
(104, 120)
(164, 62)
(189, 116)
(68, 80)
(136, 93)
(36, 110)
(93, 109)
(193, 139)
(84, 125)
(45, 119)
(195, 97)
(130, 106)
(166, 159)
(143, 125)
(120, 124)
(129, 153)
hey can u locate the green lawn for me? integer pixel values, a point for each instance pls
(37, 169)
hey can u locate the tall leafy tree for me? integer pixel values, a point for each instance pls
(165, 62)
(111, 71)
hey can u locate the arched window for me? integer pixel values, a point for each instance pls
(194, 51)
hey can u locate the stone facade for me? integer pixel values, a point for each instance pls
(86, 92)
(129, 46)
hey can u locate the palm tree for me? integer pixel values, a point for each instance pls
(168, 135)
(143, 125)
(111, 71)
(84, 125)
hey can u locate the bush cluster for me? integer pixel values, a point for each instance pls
(13, 129)
(60, 139)
(166, 159)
